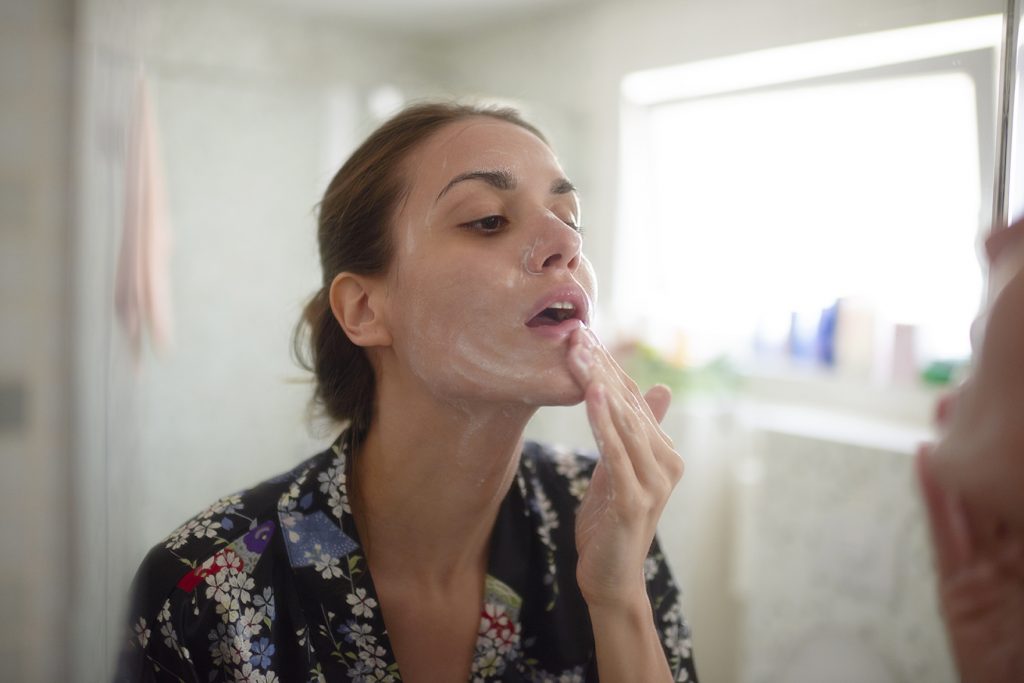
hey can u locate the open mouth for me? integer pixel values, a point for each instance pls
(556, 313)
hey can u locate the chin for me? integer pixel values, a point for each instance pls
(561, 393)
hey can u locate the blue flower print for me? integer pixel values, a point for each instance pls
(262, 652)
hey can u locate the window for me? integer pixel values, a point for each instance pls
(759, 190)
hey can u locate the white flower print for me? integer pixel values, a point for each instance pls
(578, 487)
(242, 583)
(142, 632)
(359, 634)
(228, 505)
(650, 568)
(230, 560)
(486, 665)
(251, 620)
(265, 602)
(329, 567)
(219, 588)
(240, 645)
(206, 528)
(677, 643)
(497, 641)
(171, 641)
(548, 517)
(675, 614)
(362, 606)
(373, 657)
(333, 483)
(496, 626)
(165, 612)
(180, 536)
(566, 462)
(220, 651)
(170, 637)
(248, 674)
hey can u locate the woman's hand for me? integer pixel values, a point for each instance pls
(980, 567)
(638, 469)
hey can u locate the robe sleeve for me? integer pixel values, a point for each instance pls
(153, 644)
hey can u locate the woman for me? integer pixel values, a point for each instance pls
(455, 302)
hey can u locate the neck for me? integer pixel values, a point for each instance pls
(427, 484)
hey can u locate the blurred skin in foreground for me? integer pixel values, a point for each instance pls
(972, 482)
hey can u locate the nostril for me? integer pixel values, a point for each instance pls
(552, 260)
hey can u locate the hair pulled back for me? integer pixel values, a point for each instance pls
(354, 235)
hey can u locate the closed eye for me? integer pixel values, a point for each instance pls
(488, 224)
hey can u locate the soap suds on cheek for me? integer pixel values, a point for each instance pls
(472, 347)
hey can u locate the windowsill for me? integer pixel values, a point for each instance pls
(820, 404)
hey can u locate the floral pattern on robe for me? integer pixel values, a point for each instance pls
(271, 585)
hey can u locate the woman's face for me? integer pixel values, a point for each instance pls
(488, 280)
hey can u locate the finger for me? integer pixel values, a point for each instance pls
(609, 443)
(655, 465)
(946, 523)
(605, 366)
(658, 399)
(581, 364)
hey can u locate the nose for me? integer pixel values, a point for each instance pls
(556, 245)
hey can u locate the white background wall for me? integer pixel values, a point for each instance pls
(256, 107)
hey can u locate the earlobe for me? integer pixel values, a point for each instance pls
(356, 309)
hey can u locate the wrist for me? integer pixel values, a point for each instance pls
(610, 593)
(633, 610)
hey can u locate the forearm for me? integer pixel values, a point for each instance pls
(627, 644)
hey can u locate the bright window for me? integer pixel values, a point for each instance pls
(747, 210)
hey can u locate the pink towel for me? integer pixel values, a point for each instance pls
(142, 288)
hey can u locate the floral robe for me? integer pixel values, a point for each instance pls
(270, 585)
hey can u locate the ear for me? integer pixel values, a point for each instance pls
(356, 306)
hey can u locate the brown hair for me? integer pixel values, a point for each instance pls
(354, 235)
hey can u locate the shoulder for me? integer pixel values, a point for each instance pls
(195, 571)
(221, 525)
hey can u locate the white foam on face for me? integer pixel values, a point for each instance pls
(460, 328)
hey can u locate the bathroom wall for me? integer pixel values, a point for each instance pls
(36, 72)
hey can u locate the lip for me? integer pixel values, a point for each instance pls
(575, 295)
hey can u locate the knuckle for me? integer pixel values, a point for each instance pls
(676, 466)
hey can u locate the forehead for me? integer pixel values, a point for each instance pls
(481, 143)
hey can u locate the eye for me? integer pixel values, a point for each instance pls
(488, 224)
(571, 222)
(575, 226)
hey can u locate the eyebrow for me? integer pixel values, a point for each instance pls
(502, 180)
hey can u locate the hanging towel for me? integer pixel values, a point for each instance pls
(142, 291)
